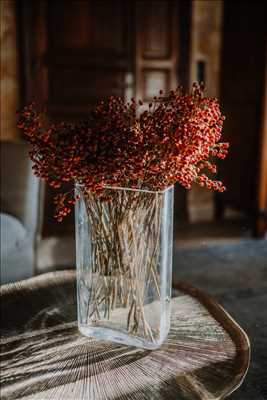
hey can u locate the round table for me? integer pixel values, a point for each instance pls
(43, 356)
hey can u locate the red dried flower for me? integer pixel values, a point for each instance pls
(172, 141)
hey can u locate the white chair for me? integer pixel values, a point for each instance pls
(21, 212)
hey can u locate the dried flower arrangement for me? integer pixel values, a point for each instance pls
(170, 142)
(173, 140)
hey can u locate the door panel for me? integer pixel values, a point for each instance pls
(78, 52)
(88, 53)
(156, 47)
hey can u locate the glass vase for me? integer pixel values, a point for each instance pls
(124, 264)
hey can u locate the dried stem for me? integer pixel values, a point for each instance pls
(125, 234)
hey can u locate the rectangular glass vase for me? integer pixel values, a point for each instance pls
(124, 264)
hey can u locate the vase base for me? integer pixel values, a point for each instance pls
(99, 333)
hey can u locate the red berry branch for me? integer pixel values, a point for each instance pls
(174, 140)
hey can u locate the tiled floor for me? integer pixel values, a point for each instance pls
(209, 231)
(234, 271)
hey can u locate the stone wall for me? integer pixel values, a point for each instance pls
(206, 41)
(207, 18)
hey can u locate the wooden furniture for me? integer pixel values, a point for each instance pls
(205, 356)
(243, 97)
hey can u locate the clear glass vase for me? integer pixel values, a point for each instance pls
(124, 264)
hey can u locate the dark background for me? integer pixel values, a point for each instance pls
(69, 54)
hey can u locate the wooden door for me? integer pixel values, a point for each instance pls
(81, 47)
(261, 221)
(77, 52)
(156, 56)
(88, 55)
(242, 91)
(162, 48)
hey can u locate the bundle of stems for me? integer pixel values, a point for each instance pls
(125, 228)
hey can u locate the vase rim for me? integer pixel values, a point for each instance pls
(81, 185)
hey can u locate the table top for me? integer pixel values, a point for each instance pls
(205, 356)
